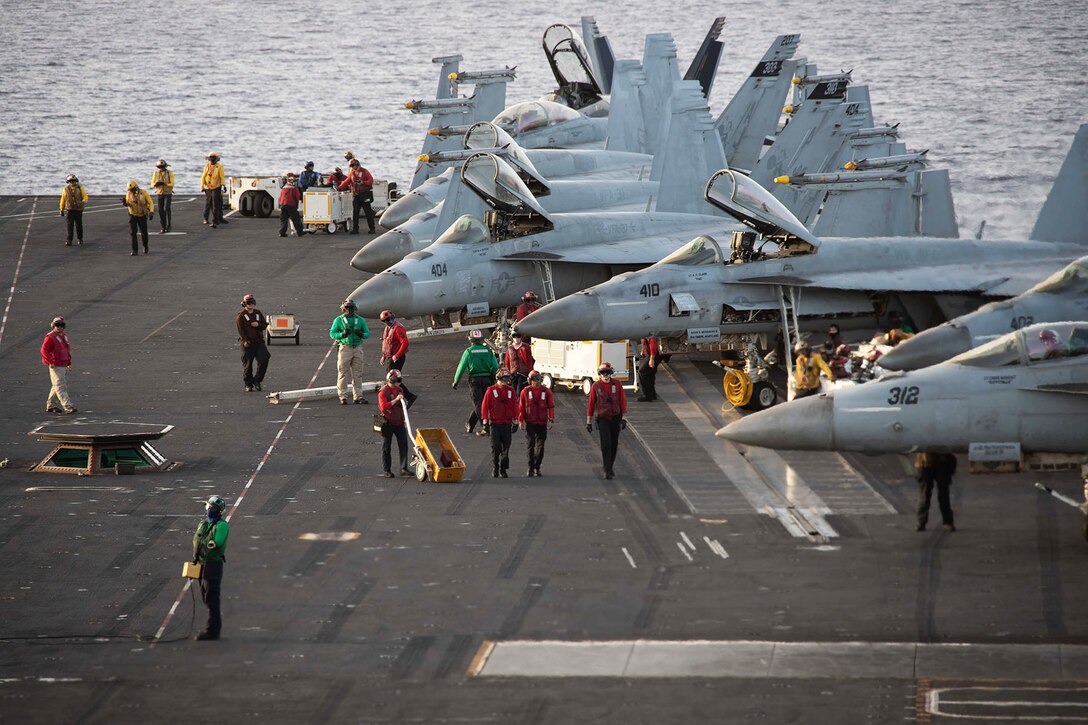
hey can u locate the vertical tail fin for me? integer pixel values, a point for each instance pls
(704, 66)
(690, 153)
(752, 114)
(1064, 216)
(433, 144)
(662, 75)
(449, 64)
(626, 125)
(489, 100)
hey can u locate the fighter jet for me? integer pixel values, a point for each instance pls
(704, 292)
(1023, 393)
(1062, 296)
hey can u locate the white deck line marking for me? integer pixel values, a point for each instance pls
(680, 546)
(630, 559)
(89, 210)
(716, 547)
(18, 266)
(661, 467)
(160, 327)
(245, 489)
(687, 541)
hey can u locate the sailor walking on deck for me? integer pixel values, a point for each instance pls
(499, 412)
(290, 198)
(519, 361)
(647, 369)
(930, 469)
(536, 411)
(162, 181)
(73, 200)
(140, 209)
(57, 356)
(361, 184)
(608, 403)
(211, 183)
(479, 362)
(251, 324)
(349, 330)
(389, 399)
(210, 551)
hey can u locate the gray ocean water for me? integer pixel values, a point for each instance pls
(102, 89)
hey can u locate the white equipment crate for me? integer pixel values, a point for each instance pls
(574, 364)
(281, 325)
(326, 208)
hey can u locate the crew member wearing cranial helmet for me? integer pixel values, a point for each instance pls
(210, 551)
(499, 413)
(251, 324)
(57, 356)
(389, 403)
(140, 209)
(536, 411)
(212, 182)
(308, 177)
(608, 403)
(361, 183)
(481, 365)
(348, 331)
(529, 304)
(808, 364)
(73, 200)
(162, 181)
(394, 347)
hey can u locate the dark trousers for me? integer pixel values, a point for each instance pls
(518, 381)
(480, 384)
(362, 201)
(138, 223)
(401, 433)
(500, 446)
(925, 495)
(166, 213)
(290, 214)
(647, 379)
(213, 205)
(609, 428)
(211, 581)
(256, 351)
(75, 221)
(535, 436)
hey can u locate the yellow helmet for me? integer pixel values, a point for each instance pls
(133, 185)
(348, 156)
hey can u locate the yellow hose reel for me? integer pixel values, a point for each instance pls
(738, 387)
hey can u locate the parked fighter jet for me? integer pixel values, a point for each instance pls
(1024, 392)
(1063, 296)
(704, 292)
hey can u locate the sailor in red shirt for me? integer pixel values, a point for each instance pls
(536, 411)
(647, 369)
(394, 342)
(519, 361)
(608, 402)
(361, 183)
(498, 412)
(389, 398)
(528, 305)
(57, 354)
(290, 198)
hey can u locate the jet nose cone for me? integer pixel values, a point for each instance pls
(383, 252)
(405, 208)
(928, 348)
(577, 317)
(387, 291)
(800, 425)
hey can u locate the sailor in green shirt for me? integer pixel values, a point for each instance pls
(349, 330)
(210, 550)
(481, 365)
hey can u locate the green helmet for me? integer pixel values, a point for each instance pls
(216, 503)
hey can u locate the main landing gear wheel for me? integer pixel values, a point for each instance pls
(763, 396)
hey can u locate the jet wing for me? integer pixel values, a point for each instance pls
(636, 252)
(997, 280)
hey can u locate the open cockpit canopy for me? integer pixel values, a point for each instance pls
(747, 201)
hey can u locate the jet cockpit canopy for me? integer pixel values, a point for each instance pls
(516, 212)
(570, 65)
(466, 229)
(1030, 345)
(1073, 279)
(699, 252)
(486, 135)
(747, 201)
(532, 115)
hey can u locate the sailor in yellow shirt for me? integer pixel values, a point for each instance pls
(73, 199)
(807, 368)
(162, 181)
(140, 209)
(211, 183)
